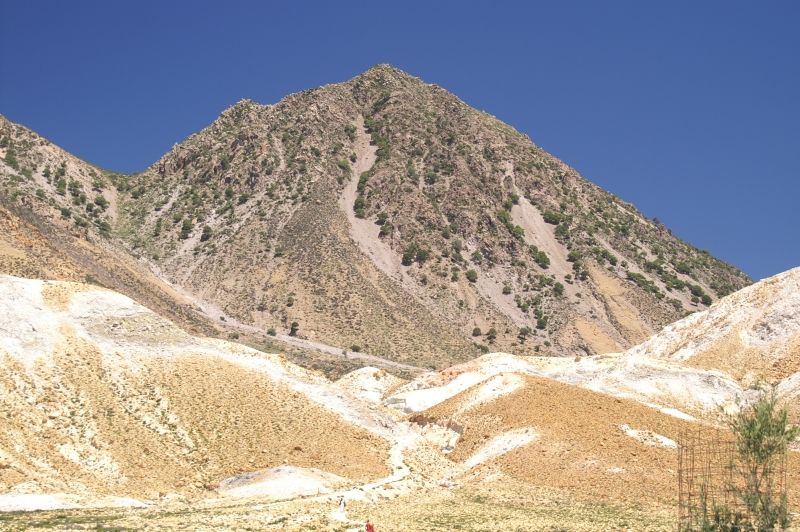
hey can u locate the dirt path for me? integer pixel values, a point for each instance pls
(372, 360)
(216, 314)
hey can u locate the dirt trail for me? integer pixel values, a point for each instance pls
(216, 314)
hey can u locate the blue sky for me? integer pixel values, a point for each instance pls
(690, 110)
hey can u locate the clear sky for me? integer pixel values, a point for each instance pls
(690, 110)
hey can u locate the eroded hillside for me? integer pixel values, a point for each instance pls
(100, 396)
(386, 213)
(109, 405)
(381, 215)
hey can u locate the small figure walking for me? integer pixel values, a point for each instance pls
(339, 514)
(369, 527)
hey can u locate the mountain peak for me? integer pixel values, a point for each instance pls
(388, 75)
(470, 236)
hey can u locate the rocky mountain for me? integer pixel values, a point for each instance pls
(381, 215)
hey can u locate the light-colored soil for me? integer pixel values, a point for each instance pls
(542, 235)
(501, 503)
(753, 334)
(364, 232)
(100, 396)
(597, 339)
(581, 447)
(625, 315)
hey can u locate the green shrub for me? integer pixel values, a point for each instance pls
(362, 181)
(186, 229)
(294, 328)
(558, 289)
(271, 331)
(643, 282)
(358, 206)
(539, 257)
(471, 275)
(206, 234)
(11, 159)
(101, 202)
(696, 290)
(103, 226)
(408, 256)
(762, 434)
(552, 217)
(476, 331)
(414, 253)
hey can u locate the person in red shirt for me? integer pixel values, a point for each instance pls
(369, 527)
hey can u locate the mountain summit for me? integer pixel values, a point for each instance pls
(380, 215)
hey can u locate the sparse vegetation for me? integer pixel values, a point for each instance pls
(552, 217)
(762, 433)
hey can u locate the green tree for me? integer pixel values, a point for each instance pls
(763, 433)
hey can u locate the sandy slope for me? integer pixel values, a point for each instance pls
(87, 375)
(753, 334)
(100, 396)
